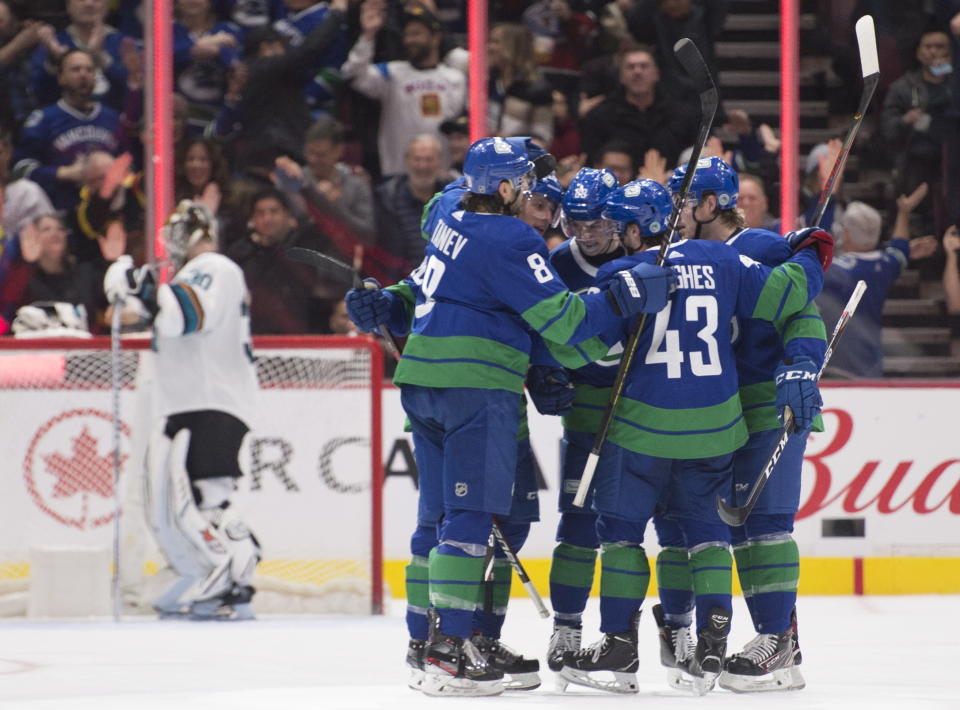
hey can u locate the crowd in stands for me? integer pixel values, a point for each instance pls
(329, 125)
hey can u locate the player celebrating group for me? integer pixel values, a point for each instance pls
(484, 286)
(678, 425)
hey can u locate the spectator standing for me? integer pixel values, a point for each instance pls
(416, 94)
(200, 173)
(87, 30)
(519, 101)
(324, 68)
(917, 122)
(273, 75)
(457, 132)
(639, 113)
(861, 354)
(400, 201)
(56, 138)
(561, 35)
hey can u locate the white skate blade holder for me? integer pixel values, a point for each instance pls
(780, 679)
(445, 685)
(624, 683)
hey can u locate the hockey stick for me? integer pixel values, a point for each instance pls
(870, 66)
(337, 268)
(521, 572)
(116, 382)
(733, 515)
(689, 56)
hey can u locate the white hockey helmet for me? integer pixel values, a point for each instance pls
(188, 224)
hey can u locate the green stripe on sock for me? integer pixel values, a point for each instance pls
(673, 569)
(741, 554)
(712, 570)
(502, 577)
(455, 581)
(624, 572)
(417, 573)
(573, 566)
(776, 566)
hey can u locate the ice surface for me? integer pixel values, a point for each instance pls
(860, 653)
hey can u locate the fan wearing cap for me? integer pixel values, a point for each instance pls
(416, 94)
(457, 131)
(206, 392)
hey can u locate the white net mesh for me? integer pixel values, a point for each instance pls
(308, 495)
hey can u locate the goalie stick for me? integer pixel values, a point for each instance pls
(116, 381)
(733, 515)
(337, 268)
(689, 56)
(870, 67)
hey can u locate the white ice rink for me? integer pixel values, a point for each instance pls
(860, 653)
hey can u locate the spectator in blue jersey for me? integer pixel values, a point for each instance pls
(203, 51)
(861, 354)
(87, 30)
(303, 16)
(251, 14)
(56, 138)
(400, 200)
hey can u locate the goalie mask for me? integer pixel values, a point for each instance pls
(189, 223)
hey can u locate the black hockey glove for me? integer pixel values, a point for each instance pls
(550, 389)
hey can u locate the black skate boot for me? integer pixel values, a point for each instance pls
(519, 673)
(676, 642)
(767, 662)
(453, 666)
(232, 605)
(415, 649)
(707, 661)
(615, 653)
(797, 656)
(563, 639)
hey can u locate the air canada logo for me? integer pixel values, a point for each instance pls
(68, 468)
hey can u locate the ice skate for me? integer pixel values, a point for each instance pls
(614, 653)
(768, 662)
(452, 666)
(415, 663)
(519, 673)
(707, 661)
(676, 642)
(563, 639)
(231, 606)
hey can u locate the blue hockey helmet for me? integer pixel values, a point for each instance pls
(586, 193)
(712, 175)
(645, 203)
(543, 162)
(550, 188)
(490, 161)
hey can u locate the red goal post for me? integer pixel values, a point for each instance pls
(313, 463)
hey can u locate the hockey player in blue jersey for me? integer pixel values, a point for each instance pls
(591, 243)
(485, 285)
(766, 554)
(676, 429)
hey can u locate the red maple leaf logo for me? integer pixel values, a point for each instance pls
(85, 470)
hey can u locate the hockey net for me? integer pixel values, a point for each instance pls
(312, 493)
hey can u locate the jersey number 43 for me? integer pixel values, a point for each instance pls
(665, 344)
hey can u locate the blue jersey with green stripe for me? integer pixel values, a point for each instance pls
(483, 292)
(762, 346)
(593, 380)
(680, 399)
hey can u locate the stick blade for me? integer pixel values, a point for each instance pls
(729, 514)
(867, 42)
(689, 56)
